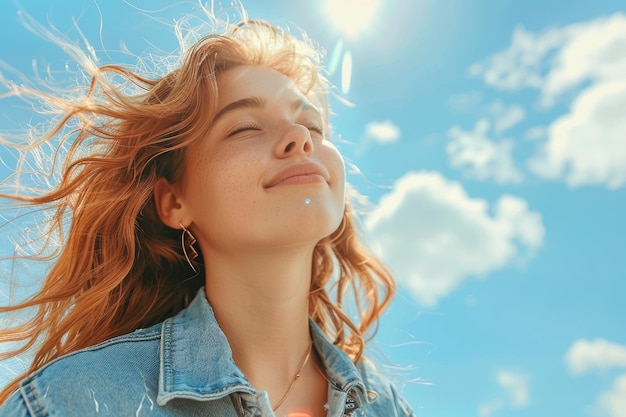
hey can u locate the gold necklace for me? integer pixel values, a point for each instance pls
(295, 378)
(322, 373)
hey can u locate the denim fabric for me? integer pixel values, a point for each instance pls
(184, 367)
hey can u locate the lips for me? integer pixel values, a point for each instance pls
(301, 173)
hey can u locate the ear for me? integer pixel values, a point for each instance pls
(171, 212)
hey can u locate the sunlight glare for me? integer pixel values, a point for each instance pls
(351, 16)
(335, 56)
(346, 72)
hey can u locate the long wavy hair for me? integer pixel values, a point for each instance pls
(119, 267)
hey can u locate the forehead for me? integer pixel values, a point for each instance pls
(258, 81)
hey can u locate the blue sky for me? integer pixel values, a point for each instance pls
(489, 139)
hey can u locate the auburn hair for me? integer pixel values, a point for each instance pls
(119, 268)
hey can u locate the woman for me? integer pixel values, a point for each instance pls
(210, 247)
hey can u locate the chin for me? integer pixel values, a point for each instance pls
(307, 232)
(293, 221)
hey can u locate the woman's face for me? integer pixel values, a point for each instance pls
(265, 176)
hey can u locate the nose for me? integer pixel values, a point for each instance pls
(296, 140)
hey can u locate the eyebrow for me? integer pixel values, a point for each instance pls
(244, 103)
(297, 105)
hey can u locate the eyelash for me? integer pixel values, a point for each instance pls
(317, 129)
(253, 126)
(242, 128)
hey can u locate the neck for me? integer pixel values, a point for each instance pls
(261, 302)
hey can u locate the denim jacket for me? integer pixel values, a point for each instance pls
(184, 367)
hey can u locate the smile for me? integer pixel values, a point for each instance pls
(299, 174)
(301, 180)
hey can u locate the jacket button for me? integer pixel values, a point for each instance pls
(350, 407)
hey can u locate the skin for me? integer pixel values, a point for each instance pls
(258, 239)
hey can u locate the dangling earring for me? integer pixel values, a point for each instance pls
(187, 239)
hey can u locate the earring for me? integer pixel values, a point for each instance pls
(187, 239)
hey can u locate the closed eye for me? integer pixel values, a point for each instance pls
(316, 129)
(243, 128)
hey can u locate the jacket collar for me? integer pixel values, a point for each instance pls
(196, 361)
(342, 373)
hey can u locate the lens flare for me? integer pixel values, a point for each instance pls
(351, 16)
(346, 72)
(335, 57)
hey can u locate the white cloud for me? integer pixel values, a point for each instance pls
(587, 146)
(613, 402)
(466, 101)
(594, 50)
(490, 408)
(480, 157)
(433, 235)
(536, 132)
(559, 59)
(585, 355)
(384, 132)
(522, 64)
(507, 117)
(515, 386)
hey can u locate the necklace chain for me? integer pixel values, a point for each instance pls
(295, 378)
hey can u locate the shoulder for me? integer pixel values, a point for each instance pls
(15, 406)
(114, 357)
(90, 381)
(382, 394)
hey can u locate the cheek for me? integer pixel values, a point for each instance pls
(228, 178)
(236, 166)
(218, 167)
(222, 193)
(335, 162)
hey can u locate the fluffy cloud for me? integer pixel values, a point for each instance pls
(588, 145)
(507, 117)
(465, 101)
(480, 157)
(594, 51)
(522, 64)
(490, 408)
(536, 132)
(559, 59)
(613, 402)
(515, 387)
(426, 221)
(585, 355)
(382, 132)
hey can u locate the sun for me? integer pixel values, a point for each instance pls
(351, 16)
